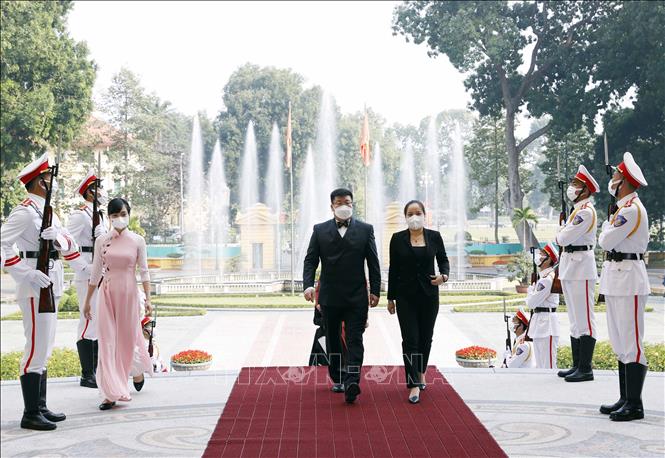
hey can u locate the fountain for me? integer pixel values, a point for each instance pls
(457, 199)
(218, 196)
(407, 175)
(249, 185)
(376, 199)
(432, 174)
(308, 211)
(194, 208)
(325, 164)
(275, 188)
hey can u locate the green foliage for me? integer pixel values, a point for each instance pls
(520, 268)
(46, 81)
(69, 301)
(64, 362)
(135, 225)
(604, 357)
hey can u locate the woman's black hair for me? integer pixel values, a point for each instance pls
(116, 204)
(340, 192)
(411, 202)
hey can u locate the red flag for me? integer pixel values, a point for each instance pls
(289, 142)
(364, 142)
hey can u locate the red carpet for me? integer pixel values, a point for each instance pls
(291, 412)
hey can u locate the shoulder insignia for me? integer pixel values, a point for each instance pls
(630, 202)
(577, 220)
(519, 351)
(82, 207)
(540, 287)
(26, 202)
(620, 221)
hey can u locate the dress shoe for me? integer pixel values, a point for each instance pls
(106, 405)
(351, 393)
(337, 388)
(415, 399)
(139, 385)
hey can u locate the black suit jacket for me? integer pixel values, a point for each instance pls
(407, 274)
(343, 281)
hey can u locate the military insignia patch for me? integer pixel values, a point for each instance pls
(577, 220)
(540, 287)
(519, 351)
(620, 221)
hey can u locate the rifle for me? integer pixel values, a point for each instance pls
(152, 333)
(612, 206)
(95, 209)
(46, 297)
(534, 274)
(564, 209)
(508, 343)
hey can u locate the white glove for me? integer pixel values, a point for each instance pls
(99, 231)
(86, 269)
(50, 233)
(38, 280)
(507, 355)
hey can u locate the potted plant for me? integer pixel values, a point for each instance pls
(475, 356)
(191, 360)
(520, 269)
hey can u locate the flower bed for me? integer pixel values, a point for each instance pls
(475, 356)
(191, 360)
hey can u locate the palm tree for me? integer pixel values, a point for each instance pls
(524, 215)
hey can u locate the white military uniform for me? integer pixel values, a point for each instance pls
(577, 270)
(544, 326)
(522, 355)
(22, 228)
(80, 226)
(625, 283)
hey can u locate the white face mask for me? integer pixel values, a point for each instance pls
(120, 222)
(54, 187)
(343, 212)
(540, 259)
(611, 190)
(572, 192)
(415, 222)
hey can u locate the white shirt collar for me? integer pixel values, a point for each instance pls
(40, 201)
(545, 272)
(621, 202)
(579, 204)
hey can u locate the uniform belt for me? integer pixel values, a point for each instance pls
(571, 248)
(86, 249)
(35, 254)
(544, 309)
(617, 257)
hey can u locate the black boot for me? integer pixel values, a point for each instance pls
(32, 417)
(575, 349)
(609, 408)
(51, 416)
(584, 371)
(632, 408)
(87, 359)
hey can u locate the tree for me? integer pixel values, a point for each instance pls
(521, 219)
(487, 39)
(46, 81)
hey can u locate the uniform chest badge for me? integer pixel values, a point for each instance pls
(540, 287)
(620, 221)
(577, 220)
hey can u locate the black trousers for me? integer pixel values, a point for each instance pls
(417, 316)
(354, 318)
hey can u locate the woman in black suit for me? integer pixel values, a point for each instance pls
(414, 285)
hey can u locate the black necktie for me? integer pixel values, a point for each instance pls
(342, 223)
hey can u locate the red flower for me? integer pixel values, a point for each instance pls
(475, 352)
(191, 357)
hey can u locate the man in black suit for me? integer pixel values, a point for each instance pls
(343, 244)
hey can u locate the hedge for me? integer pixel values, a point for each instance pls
(64, 362)
(604, 357)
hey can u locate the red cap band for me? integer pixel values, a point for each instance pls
(624, 171)
(43, 167)
(550, 253)
(87, 183)
(587, 181)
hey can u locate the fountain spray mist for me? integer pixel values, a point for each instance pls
(194, 205)
(275, 188)
(249, 184)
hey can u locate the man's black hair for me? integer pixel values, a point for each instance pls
(340, 192)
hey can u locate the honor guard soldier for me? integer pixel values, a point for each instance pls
(544, 324)
(80, 226)
(578, 274)
(522, 354)
(625, 284)
(22, 228)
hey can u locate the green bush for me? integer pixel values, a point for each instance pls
(69, 302)
(64, 362)
(477, 252)
(604, 357)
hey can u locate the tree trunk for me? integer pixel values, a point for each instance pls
(515, 196)
(496, 188)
